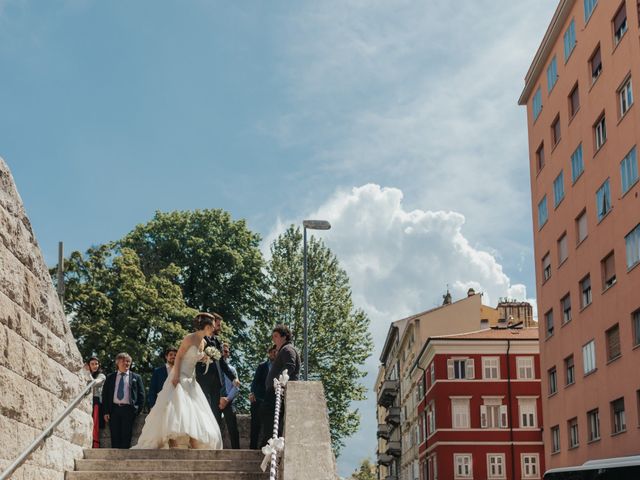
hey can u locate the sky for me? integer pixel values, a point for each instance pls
(397, 121)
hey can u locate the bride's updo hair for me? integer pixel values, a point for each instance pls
(202, 320)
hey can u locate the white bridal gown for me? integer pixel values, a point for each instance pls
(181, 411)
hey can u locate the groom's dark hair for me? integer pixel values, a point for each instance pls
(283, 331)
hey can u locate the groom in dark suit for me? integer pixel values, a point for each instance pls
(212, 383)
(122, 400)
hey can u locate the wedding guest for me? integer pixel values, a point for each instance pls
(256, 397)
(160, 374)
(288, 359)
(122, 400)
(93, 367)
(227, 406)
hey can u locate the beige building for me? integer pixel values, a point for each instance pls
(584, 132)
(397, 393)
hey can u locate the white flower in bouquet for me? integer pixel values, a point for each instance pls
(213, 355)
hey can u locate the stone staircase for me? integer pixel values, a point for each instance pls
(113, 464)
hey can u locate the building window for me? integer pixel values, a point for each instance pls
(618, 419)
(552, 74)
(632, 242)
(546, 267)
(432, 372)
(574, 101)
(540, 157)
(463, 465)
(600, 132)
(625, 95)
(608, 268)
(537, 103)
(548, 322)
(431, 418)
(558, 189)
(555, 439)
(525, 368)
(589, 357)
(493, 414)
(490, 367)
(563, 249)
(569, 40)
(528, 416)
(589, 5)
(530, 467)
(577, 165)
(629, 170)
(581, 226)
(565, 305)
(570, 370)
(595, 62)
(603, 200)
(553, 380)
(593, 423)
(460, 368)
(585, 290)
(495, 465)
(460, 412)
(572, 426)
(619, 24)
(543, 214)
(613, 342)
(555, 130)
(635, 324)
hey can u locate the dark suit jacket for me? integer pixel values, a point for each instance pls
(211, 382)
(259, 378)
(288, 359)
(136, 389)
(157, 381)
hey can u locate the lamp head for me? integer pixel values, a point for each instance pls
(316, 224)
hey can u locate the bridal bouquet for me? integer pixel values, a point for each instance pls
(213, 355)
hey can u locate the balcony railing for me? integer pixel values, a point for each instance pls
(393, 448)
(388, 392)
(383, 431)
(393, 416)
(384, 459)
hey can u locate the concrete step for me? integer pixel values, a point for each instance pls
(168, 465)
(177, 475)
(114, 454)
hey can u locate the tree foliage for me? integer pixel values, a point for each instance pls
(366, 471)
(113, 306)
(338, 333)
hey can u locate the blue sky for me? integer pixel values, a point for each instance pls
(396, 120)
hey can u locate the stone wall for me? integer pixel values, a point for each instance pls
(40, 366)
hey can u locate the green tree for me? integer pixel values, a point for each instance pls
(219, 261)
(113, 306)
(367, 471)
(339, 337)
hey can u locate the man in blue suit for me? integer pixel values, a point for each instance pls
(159, 376)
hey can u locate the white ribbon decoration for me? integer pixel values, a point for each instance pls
(275, 446)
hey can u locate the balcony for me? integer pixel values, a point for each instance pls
(388, 392)
(391, 477)
(393, 416)
(393, 448)
(383, 431)
(384, 459)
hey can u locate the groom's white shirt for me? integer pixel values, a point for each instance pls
(126, 400)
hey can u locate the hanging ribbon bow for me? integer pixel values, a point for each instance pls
(275, 446)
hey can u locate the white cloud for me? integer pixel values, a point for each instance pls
(400, 262)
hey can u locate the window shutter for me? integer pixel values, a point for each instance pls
(582, 226)
(621, 16)
(504, 422)
(483, 416)
(450, 368)
(596, 62)
(470, 369)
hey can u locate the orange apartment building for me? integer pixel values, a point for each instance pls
(584, 136)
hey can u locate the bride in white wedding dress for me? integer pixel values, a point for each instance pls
(181, 415)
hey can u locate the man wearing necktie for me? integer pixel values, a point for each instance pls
(122, 400)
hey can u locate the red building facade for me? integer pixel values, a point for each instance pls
(480, 414)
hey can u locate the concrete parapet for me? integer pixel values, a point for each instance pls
(40, 365)
(307, 452)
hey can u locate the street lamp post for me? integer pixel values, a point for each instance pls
(312, 225)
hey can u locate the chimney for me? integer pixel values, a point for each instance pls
(471, 292)
(484, 324)
(446, 298)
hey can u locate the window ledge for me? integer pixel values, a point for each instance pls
(611, 360)
(570, 384)
(605, 215)
(635, 182)
(594, 81)
(563, 262)
(615, 434)
(555, 145)
(606, 289)
(625, 114)
(582, 309)
(582, 241)
(579, 176)
(555, 207)
(633, 266)
(595, 440)
(598, 150)
(635, 347)
(616, 45)
(552, 394)
(588, 374)
(573, 116)
(573, 447)
(557, 452)
(562, 324)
